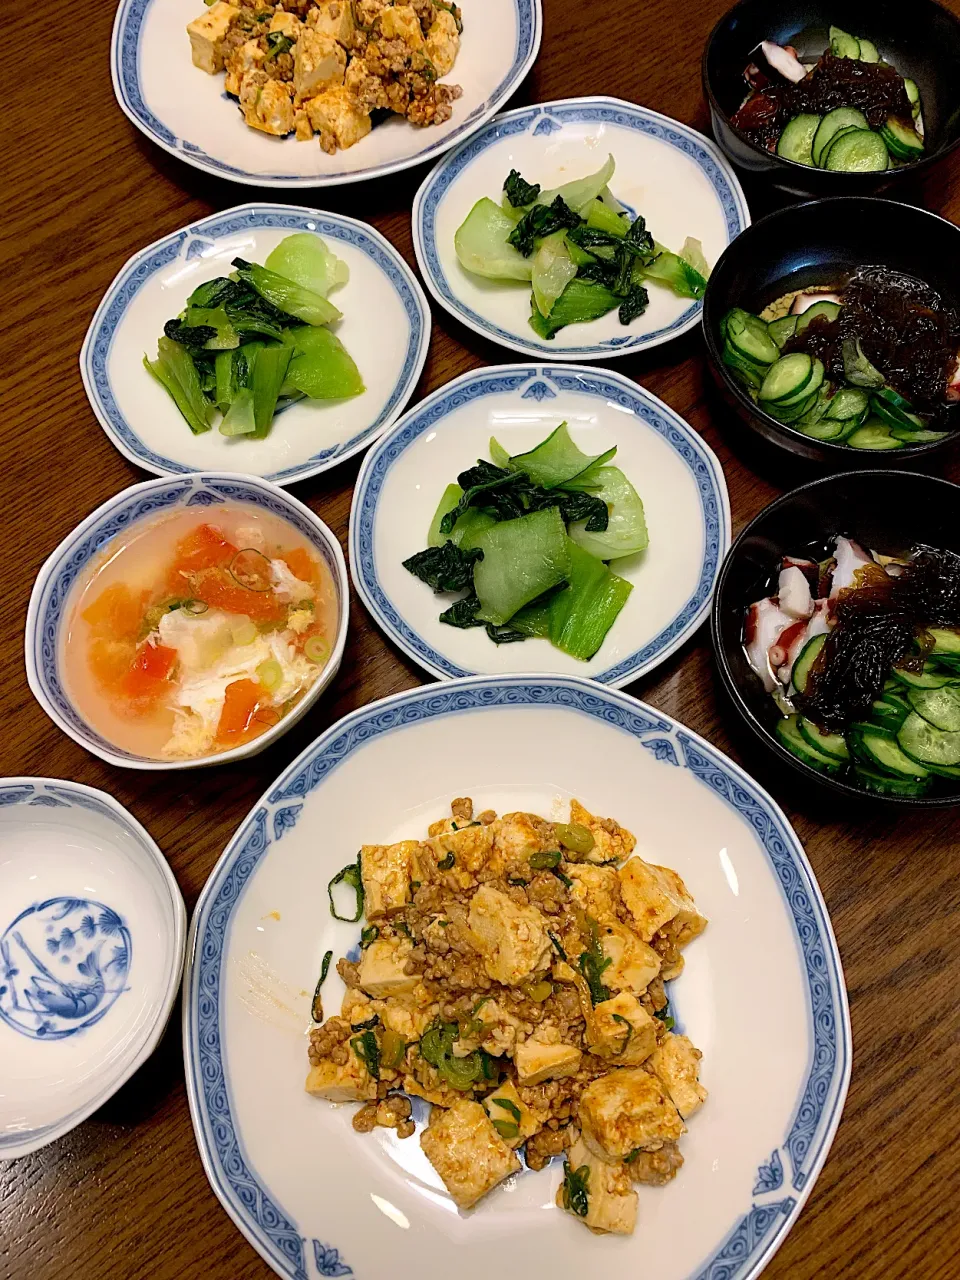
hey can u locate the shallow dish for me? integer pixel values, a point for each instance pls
(887, 511)
(804, 246)
(51, 596)
(922, 42)
(667, 172)
(187, 112)
(91, 941)
(307, 438)
(314, 1197)
(676, 474)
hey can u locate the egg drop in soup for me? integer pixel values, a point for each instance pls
(194, 634)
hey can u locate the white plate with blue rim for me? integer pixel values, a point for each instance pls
(675, 472)
(317, 1199)
(385, 327)
(92, 936)
(188, 113)
(671, 175)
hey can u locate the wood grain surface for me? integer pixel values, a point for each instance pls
(124, 1195)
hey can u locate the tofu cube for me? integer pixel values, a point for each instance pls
(338, 118)
(625, 1110)
(400, 22)
(536, 1061)
(206, 35)
(334, 18)
(266, 105)
(512, 939)
(633, 964)
(622, 1031)
(318, 64)
(381, 968)
(247, 58)
(611, 1199)
(385, 870)
(348, 1083)
(507, 1111)
(286, 23)
(518, 835)
(470, 846)
(608, 846)
(656, 896)
(595, 889)
(443, 42)
(496, 1030)
(677, 1065)
(467, 1152)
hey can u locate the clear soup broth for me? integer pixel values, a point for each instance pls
(195, 633)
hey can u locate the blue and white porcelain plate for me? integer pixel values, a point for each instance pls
(188, 113)
(92, 934)
(762, 993)
(670, 174)
(676, 474)
(385, 327)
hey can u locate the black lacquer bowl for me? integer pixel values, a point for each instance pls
(815, 244)
(887, 511)
(921, 39)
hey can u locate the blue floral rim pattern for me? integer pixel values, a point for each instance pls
(191, 243)
(545, 120)
(539, 382)
(57, 578)
(125, 61)
(753, 1238)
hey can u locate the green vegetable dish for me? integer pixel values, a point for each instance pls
(250, 344)
(527, 540)
(871, 363)
(861, 654)
(849, 111)
(579, 249)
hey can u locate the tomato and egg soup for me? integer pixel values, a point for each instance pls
(193, 633)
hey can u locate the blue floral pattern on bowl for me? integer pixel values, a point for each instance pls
(64, 964)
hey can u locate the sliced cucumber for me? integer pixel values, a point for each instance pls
(825, 429)
(781, 331)
(789, 736)
(913, 93)
(828, 744)
(748, 336)
(868, 51)
(830, 126)
(808, 656)
(887, 716)
(841, 133)
(892, 409)
(829, 311)
(940, 707)
(796, 141)
(860, 151)
(787, 377)
(844, 45)
(817, 375)
(922, 679)
(816, 411)
(848, 403)
(885, 753)
(794, 413)
(945, 640)
(913, 435)
(928, 745)
(873, 435)
(901, 140)
(749, 373)
(887, 785)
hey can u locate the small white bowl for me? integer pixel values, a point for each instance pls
(385, 327)
(189, 113)
(671, 175)
(47, 612)
(92, 936)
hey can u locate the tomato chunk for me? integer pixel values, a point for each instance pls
(246, 712)
(203, 548)
(220, 590)
(301, 564)
(116, 613)
(149, 672)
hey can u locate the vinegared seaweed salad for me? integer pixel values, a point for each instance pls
(861, 654)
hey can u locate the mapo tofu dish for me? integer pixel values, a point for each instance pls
(512, 972)
(331, 68)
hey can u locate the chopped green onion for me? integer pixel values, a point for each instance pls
(392, 1048)
(446, 863)
(244, 632)
(351, 876)
(592, 964)
(575, 837)
(556, 943)
(618, 1017)
(316, 1007)
(316, 649)
(370, 934)
(195, 607)
(546, 860)
(575, 1190)
(368, 1051)
(509, 1106)
(564, 880)
(270, 675)
(507, 1129)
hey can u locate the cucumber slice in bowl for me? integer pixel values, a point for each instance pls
(939, 707)
(828, 310)
(788, 378)
(750, 374)
(925, 679)
(826, 429)
(884, 753)
(874, 435)
(830, 126)
(750, 338)
(781, 331)
(914, 435)
(796, 141)
(848, 404)
(945, 640)
(860, 151)
(927, 745)
(868, 50)
(788, 735)
(888, 785)
(843, 45)
(808, 656)
(828, 744)
(901, 140)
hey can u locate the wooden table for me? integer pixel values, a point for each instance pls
(124, 1195)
